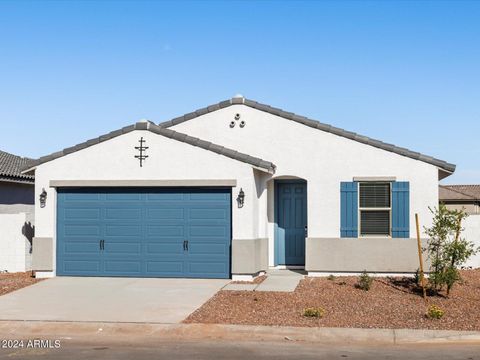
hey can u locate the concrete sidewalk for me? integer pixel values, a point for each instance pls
(151, 333)
(277, 280)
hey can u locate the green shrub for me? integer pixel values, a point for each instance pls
(434, 312)
(446, 248)
(416, 277)
(364, 281)
(317, 312)
(331, 277)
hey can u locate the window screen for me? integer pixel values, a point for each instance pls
(375, 209)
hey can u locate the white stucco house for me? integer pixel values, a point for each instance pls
(229, 191)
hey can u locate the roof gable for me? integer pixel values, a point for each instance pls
(445, 167)
(156, 129)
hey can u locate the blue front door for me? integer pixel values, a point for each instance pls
(291, 220)
(144, 232)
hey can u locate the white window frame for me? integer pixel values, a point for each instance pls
(360, 209)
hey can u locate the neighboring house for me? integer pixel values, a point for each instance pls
(466, 197)
(16, 213)
(229, 191)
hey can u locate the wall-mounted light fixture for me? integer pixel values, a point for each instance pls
(240, 198)
(43, 198)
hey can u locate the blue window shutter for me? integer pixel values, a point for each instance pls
(349, 209)
(401, 209)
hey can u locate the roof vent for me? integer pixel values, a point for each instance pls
(238, 96)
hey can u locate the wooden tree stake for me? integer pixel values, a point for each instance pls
(420, 259)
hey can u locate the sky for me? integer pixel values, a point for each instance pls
(406, 72)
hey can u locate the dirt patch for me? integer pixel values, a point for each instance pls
(390, 303)
(257, 280)
(13, 281)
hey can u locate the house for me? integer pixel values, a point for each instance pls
(16, 213)
(16, 189)
(231, 190)
(467, 198)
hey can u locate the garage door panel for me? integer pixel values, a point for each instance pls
(83, 196)
(207, 231)
(123, 214)
(208, 196)
(165, 231)
(202, 214)
(125, 247)
(164, 248)
(165, 213)
(166, 268)
(81, 214)
(80, 267)
(82, 230)
(123, 267)
(209, 249)
(123, 196)
(206, 269)
(80, 247)
(144, 232)
(165, 196)
(119, 230)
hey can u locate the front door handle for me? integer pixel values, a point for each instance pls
(187, 244)
(306, 231)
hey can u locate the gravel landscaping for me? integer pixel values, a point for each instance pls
(390, 303)
(13, 281)
(257, 280)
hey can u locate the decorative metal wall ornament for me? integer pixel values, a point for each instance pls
(43, 198)
(141, 149)
(240, 198)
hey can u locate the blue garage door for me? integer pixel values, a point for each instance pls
(144, 232)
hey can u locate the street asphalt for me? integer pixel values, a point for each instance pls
(232, 350)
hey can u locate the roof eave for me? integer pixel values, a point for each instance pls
(444, 173)
(446, 167)
(162, 131)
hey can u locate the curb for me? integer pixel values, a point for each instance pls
(149, 332)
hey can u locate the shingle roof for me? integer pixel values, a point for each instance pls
(443, 165)
(11, 166)
(459, 192)
(175, 135)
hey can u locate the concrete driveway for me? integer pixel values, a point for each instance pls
(109, 299)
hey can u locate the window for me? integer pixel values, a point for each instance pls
(375, 209)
